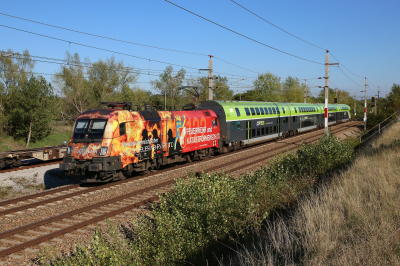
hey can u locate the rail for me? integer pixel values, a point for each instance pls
(378, 128)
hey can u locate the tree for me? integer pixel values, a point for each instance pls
(267, 87)
(393, 99)
(249, 95)
(30, 109)
(168, 84)
(15, 68)
(221, 89)
(293, 91)
(84, 85)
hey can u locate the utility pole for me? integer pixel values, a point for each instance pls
(355, 107)
(377, 104)
(326, 89)
(365, 105)
(210, 79)
(305, 91)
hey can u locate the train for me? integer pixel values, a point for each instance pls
(113, 143)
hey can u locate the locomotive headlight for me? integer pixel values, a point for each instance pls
(103, 151)
(69, 150)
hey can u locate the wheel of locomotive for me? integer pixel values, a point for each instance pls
(121, 175)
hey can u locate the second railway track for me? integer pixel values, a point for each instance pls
(126, 196)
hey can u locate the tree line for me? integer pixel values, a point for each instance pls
(28, 102)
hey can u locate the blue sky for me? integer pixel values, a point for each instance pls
(362, 35)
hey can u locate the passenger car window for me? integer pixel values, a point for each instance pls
(283, 109)
(233, 126)
(266, 110)
(237, 111)
(238, 124)
(253, 112)
(295, 109)
(247, 111)
(257, 111)
(273, 110)
(270, 110)
(262, 110)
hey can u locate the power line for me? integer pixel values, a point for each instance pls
(93, 47)
(277, 26)
(244, 36)
(344, 66)
(100, 36)
(123, 41)
(349, 77)
(235, 65)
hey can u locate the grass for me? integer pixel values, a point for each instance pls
(351, 219)
(60, 132)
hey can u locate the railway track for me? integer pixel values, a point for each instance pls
(29, 166)
(28, 238)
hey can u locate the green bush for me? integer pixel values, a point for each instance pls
(202, 211)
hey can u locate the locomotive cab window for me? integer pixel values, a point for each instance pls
(89, 130)
(122, 129)
(247, 111)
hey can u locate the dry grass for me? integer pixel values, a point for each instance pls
(353, 219)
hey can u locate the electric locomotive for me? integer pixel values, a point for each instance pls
(111, 144)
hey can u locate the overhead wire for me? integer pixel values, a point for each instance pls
(123, 41)
(277, 26)
(94, 47)
(344, 66)
(242, 35)
(349, 77)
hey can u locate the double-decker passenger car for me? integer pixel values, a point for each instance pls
(246, 122)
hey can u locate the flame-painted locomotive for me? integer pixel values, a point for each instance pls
(111, 144)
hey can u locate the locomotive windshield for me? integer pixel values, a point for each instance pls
(89, 130)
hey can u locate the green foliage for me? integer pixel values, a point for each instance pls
(393, 99)
(168, 84)
(267, 87)
(201, 211)
(15, 68)
(293, 91)
(30, 109)
(221, 89)
(84, 85)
